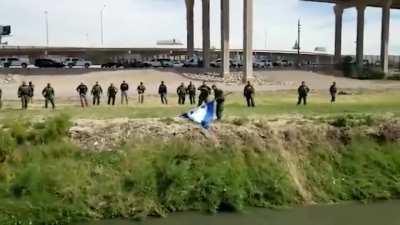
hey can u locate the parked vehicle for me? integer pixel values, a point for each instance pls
(111, 65)
(287, 63)
(137, 64)
(283, 62)
(134, 64)
(193, 62)
(14, 62)
(48, 63)
(233, 63)
(72, 62)
(153, 63)
(263, 64)
(178, 64)
(166, 62)
(216, 63)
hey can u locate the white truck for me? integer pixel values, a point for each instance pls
(7, 62)
(263, 64)
(77, 62)
(153, 63)
(233, 63)
(193, 62)
(166, 62)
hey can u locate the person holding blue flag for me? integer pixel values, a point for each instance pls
(209, 110)
(220, 100)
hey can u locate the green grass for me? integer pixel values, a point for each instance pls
(55, 183)
(45, 179)
(268, 104)
(364, 170)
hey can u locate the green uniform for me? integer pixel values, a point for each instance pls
(112, 93)
(303, 93)
(205, 91)
(48, 94)
(219, 99)
(24, 94)
(31, 92)
(97, 91)
(141, 89)
(181, 91)
(249, 92)
(333, 92)
(191, 91)
(163, 91)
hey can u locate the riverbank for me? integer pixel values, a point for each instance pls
(385, 212)
(46, 178)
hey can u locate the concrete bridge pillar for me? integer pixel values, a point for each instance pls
(248, 39)
(360, 33)
(206, 33)
(338, 32)
(190, 27)
(385, 36)
(225, 67)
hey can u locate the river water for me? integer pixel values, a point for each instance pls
(384, 213)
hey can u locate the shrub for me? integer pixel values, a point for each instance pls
(350, 69)
(394, 77)
(348, 66)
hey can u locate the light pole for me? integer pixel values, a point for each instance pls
(101, 24)
(266, 44)
(298, 44)
(47, 26)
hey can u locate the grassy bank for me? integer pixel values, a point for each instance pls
(44, 179)
(268, 104)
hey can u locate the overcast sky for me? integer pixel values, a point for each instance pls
(140, 23)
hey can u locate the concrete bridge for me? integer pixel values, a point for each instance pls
(360, 5)
(339, 7)
(247, 37)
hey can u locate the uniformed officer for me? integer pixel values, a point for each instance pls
(303, 91)
(111, 93)
(191, 91)
(163, 91)
(141, 89)
(31, 91)
(97, 91)
(220, 100)
(48, 94)
(333, 92)
(205, 91)
(24, 93)
(124, 92)
(248, 93)
(82, 90)
(181, 91)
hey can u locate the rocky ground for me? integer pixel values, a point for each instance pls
(106, 135)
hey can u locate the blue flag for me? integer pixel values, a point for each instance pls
(204, 115)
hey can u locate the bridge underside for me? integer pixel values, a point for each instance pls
(350, 3)
(361, 5)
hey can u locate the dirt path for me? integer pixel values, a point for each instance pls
(272, 80)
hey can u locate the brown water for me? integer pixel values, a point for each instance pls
(385, 213)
